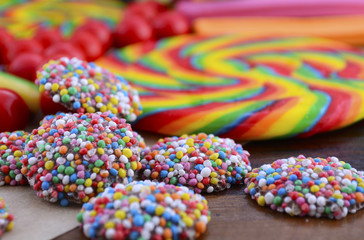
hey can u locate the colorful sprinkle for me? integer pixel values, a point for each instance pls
(204, 163)
(11, 150)
(6, 219)
(301, 186)
(85, 87)
(145, 210)
(72, 157)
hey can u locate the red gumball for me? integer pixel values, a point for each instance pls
(90, 46)
(132, 30)
(6, 41)
(99, 30)
(148, 10)
(24, 46)
(66, 49)
(49, 107)
(14, 111)
(170, 24)
(47, 36)
(25, 65)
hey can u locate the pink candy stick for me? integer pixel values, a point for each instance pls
(297, 8)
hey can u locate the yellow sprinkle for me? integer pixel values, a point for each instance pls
(261, 201)
(337, 196)
(122, 173)
(159, 210)
(188, 221)
(109, 224)
(213, 174)
(207, 145)
(126, 139)
(133, 165)
(114, 101)
(218, 161)
(214, 181)
(88, 182)
(214, 156)
(17, 153)
(49, 165)
(120, 214)
(315, 188)
(185, 196)
(127, 152)
(96, 170)
(190, 149)
(90, 109)
(63, 92)
(179, 154)
(197, 213)
(100, 151)
(54, 87)
(133, 199)
(98, 99)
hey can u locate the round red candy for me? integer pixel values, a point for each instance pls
(14, 111)
(99, 30)
(148, 10)
(47, 37)
(25, 65)
(132, 30)
(6, 40)
(24, 46)
(88, 44)
(170, 24)
(65, 49)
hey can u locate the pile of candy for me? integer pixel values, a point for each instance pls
(6, 219)
(303, 186)
(204, 163)
(11, 150)
(145, 210)
(85, 87)
(72, 157)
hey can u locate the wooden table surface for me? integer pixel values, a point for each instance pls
(234, 215)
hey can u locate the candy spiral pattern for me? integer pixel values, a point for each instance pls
(244, 87)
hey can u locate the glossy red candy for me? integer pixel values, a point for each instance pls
(25, 65)
(170, 24)
(24, 46)
(132, 30)
(14, 111)
(6, 40)
(48, 36)
(49, 107)
(65, 49)
(88, 44)
(147, 10)
(99, 30)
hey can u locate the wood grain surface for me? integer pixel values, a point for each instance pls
(235, 216)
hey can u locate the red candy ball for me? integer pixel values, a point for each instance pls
(88, 44)
(14, 111)
(148, 10)
(132, 30)
(99, 30)
(170, 24)
(47, 37)
(24, 46)
(6, 40)
(64, 49)
(25, 65)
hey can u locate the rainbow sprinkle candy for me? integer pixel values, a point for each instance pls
(11, 150)
(145, 210)
(204, 163)
(72, 157)
(85, 87)
(303, 186)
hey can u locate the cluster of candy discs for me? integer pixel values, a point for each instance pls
(85, 87)
(303, 186)
(72, 157)
(145, 210)
(6, 219)
(204, 163)
(11, 148)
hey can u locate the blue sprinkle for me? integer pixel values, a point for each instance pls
(113, 171)
(270, 181)
(306, 179)
(138, 220)
(163, 173)
(317, 182)
(277, 177)
(150, 209)
(151, 198)
(222, 155)
(73, 177)
(281, 191)
(45, 185)
(238, 169)
(293, 177)
(64, 202)
(270, 170)
(76, 105)
(109, 205)
(359, 189)
(134, 235)
(175, 218)
(252, 191)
